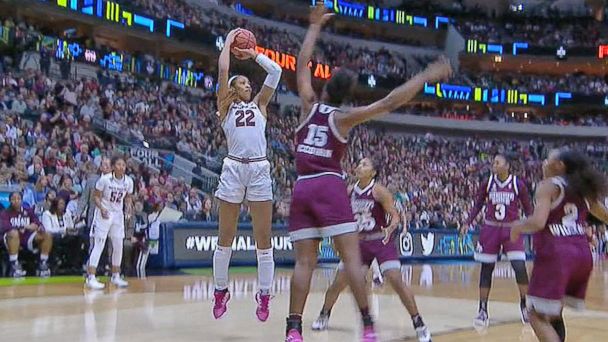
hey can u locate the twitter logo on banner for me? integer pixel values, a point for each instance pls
(428, 243)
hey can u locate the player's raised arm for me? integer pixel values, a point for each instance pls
(223, 91)
(436, 71)
(262, 99)
(318, 17)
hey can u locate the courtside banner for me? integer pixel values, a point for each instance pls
(192, 244)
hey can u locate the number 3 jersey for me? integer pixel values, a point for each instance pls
(114, 191)
(245, 130)
(319, 145)
(502, 200)
(369, 213)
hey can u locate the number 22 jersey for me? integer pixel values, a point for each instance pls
(114, 191)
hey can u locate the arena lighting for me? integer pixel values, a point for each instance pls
(371, 81)
(602, 51)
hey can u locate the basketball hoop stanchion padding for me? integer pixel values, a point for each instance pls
(192, 244)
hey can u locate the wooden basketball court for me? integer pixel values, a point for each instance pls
(178, 308)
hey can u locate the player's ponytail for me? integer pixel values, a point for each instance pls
(583, 179)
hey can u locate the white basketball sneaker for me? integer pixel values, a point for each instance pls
(118, 281)
(93, 284)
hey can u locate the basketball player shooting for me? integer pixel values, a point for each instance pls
(563, 262)
(246, 171)
(502, 194)
(320, 206)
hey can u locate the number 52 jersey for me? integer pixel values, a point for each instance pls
(114, 191)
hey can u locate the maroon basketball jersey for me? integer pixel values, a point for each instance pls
(319, 146)
(502, 200)
(11, 219)
(369, 213)
(565, 224)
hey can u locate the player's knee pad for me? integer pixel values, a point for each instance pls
(485, 278)
(521, 274)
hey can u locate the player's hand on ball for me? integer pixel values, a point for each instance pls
(230, 37)
(320, 15)
(244, 53)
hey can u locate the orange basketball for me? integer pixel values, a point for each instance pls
(244, 39)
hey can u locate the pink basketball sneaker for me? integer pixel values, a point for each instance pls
(263, 310)
(369, 335)
(294, 336)
(221, 299)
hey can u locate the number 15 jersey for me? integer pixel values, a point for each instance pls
(114, 191)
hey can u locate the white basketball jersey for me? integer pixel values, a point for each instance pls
(114, 191)
(245, 129)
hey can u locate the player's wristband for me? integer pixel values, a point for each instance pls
(273, 69)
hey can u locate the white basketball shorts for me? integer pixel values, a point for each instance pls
(245, 180)
(113, 226)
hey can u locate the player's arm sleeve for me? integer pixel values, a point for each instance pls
(270, 84)
(480, 198)
(524, 198)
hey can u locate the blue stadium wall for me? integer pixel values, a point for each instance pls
(192, 244)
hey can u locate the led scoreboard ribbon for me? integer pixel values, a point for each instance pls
(114, 12)
(382, 14)
(457, 92)
(116, 61)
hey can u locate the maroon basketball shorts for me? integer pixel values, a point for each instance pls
(26, 239)
(387, 255)
(320, 207)
(492, 238)
(560, 277)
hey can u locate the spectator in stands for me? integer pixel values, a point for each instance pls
(22, 229)
(57, 220)
(7, 155)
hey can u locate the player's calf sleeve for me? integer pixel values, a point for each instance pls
(560, 328)
(221, 261)
(485, 278)
(98, 246)
(116, 252)
(521, 274)
(265, 268)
